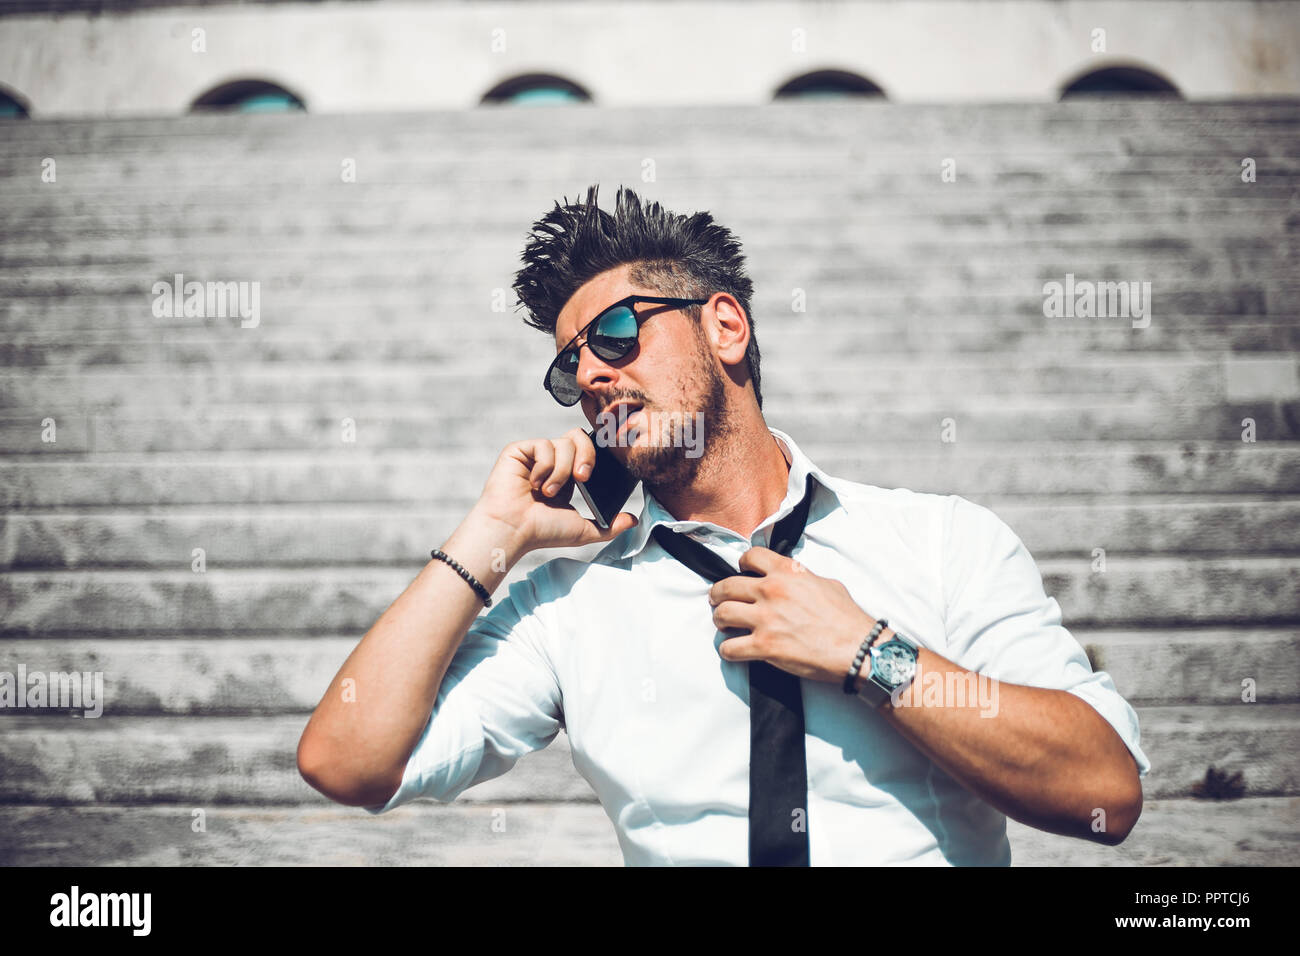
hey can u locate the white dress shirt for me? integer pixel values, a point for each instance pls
(622, 653)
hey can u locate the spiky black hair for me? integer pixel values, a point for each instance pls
(683, 256)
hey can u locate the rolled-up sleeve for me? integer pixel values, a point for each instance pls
(1001, 623)
(499, 700)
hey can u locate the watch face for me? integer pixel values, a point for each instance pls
(894, 663)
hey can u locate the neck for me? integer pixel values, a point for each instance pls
(742, 481)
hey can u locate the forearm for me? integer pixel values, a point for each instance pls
(356, 744)
(1043, 757)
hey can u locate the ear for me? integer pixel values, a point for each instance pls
(729, 330)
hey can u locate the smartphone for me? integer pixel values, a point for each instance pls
(608, 487)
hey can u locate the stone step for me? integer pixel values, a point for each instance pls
(114, 234)
(215, 676)
(1132, 126)
(992, 179)
(1164, 667)
(1160, 257)
(1162, 262)
(202, 761)
(297, 428)
(498, 147)
(502, 379)
(399, 341)
(1256, 831)
(316, 834)
(286, 535)
(353, 476)
(394, 215)
(868, 288)
(410, 211)
(832, 307)
(1159, 590)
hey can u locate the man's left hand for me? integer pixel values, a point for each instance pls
(796, 620)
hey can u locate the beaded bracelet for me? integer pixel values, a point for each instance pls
(851, 680)
(472, 581)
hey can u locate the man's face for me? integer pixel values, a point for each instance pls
(672, 369)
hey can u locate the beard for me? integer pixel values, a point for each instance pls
(664, 462)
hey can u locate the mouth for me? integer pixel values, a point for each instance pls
(625, 410)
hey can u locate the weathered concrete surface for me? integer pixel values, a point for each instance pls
(1251, 832)
(379, 306)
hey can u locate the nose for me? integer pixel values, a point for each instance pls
(593, 371)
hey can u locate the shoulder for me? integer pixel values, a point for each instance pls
(903, 509)
(950, 528)
(970, 527)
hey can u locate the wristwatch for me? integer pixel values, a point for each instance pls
(893, 667)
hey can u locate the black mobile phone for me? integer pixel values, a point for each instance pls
(608, 487)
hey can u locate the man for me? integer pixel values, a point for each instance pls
(913, 739)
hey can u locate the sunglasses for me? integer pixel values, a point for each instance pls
(610, 336)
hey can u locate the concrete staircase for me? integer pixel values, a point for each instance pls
(386, 301)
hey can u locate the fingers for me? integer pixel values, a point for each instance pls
(530, 486)
(764, 560)
(622, 521)
(737, 614)
(552, 464)
(556, 460)
(543, 454)
(562, 467)
(584, 459)
(738, 587)
(742, 648)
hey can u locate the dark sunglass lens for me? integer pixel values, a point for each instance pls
(614, 334)
(564, 379)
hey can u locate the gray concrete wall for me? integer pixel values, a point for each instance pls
(346, 57)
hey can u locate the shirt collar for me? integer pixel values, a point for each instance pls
(634, 540)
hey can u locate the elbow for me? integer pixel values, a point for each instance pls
(325, 773)
(317, 768)
(1121, 811)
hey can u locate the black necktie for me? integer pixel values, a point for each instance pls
(778, 765)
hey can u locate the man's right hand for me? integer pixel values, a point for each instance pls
(529, 490)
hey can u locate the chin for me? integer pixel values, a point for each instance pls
(661, 466)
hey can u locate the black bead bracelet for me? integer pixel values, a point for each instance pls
(472, 581)
(851, 680)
